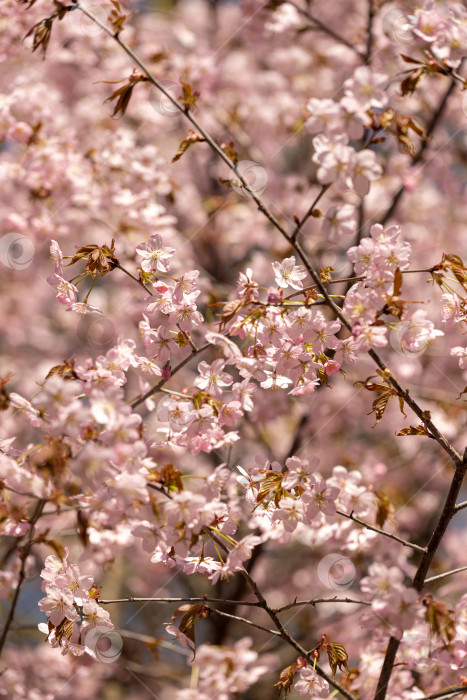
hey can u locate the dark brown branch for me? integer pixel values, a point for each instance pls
(22, 572)
(204, 599)
(318, 601)
(448, 512)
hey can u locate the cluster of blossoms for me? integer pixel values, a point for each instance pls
(443, 31)
(71, 607)
(393, 605)
(377, 259)
(130, 446)
(226, 671)
(287, 498)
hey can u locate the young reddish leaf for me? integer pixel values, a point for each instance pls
(397, 282)
(439, 619)
(100, 259)
(116, 16)
(189, 97)
(285, 680)
(186, 143)
(411, 430)
(384, 508)
(123, 94)
(337, 655)
(230, 151)
(409, 59)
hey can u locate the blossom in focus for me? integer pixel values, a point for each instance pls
(287, 274)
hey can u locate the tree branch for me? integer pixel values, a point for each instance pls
(351, 516)
(446, 573)
(22, 572)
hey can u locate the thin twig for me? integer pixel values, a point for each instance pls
(351, 516)
(141, 399)
(448, 693)
(446, 573)
(204, 599)
(327, 30)
(318, 601)
(245, 621)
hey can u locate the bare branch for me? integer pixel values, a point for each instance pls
(351, 516)
(446, 573)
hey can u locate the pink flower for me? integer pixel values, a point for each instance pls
(77, 583)
(365, 87)
(320, 499)
(366, 337)
(299, 472)
(94, 615)
(324, 115)
(339, 222)
(154, 255)
(230, 413)
(57, 605)
(287, 274)
(461, 353)
(310, 684)
(336, 160)
(365, 169)
(67, 293)
(289, 513)
(451, 312)
(212, 379)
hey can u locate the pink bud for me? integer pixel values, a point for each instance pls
(331, 367)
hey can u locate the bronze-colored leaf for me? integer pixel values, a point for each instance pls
(65, 370)
(230, 309)
(189, 97)
(116, 16)
(409, 84)
(379, 405)
(338, 658)
(186, 143)
(123, 94)
(409, 59)
(4, 398)
(384, 508)
(285, 680)
(397, 282)
(411, 430)
(439, 619)
(230, 151)
(100, 259)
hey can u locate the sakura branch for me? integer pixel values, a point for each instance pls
(239, 345)
(351, 516)
(22, 572)
(297, 247)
